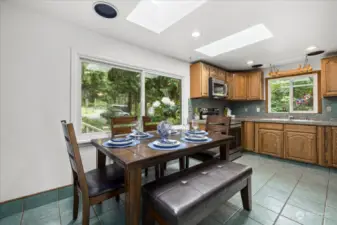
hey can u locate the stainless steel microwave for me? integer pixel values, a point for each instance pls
(217, 88)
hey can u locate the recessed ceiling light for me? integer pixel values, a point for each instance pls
(105, 9)
(250, 62)
(241, 39)
(196, 34)
(311, 48)
(157, 15)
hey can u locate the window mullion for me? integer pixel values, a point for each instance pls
(291, 107)
(142, 94)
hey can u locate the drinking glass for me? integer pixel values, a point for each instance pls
(195, 124)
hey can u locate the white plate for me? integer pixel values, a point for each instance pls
(194, 138)
(166, 145)
(120, 143)
(196, 132)
(139, 135)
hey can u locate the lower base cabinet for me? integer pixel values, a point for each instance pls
(300, 146)
(270, 142)
(333, 146)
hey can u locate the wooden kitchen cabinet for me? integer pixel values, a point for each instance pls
(199, 76)
(239, 86)
(247, 86)
(333, 146)
(271, 142)
(229, 81)
(300, 146)
(222, 75)
(255, 85)
(214, 72)
(248, 136)
(329, 76)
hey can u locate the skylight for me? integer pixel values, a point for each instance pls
(158, 15)
(241, 39)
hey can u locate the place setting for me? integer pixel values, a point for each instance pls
(196, 135)
(132, 139)
(164, 129)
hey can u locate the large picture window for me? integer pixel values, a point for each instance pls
(297, 94)
(109, 91)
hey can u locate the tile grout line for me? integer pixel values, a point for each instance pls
(279, 214)
(23, 211)
(58, 206)
(326, 198)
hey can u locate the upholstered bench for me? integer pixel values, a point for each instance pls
(187, 197)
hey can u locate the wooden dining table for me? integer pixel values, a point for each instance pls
(134, 159)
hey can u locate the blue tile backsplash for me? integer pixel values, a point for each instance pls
(248, 108)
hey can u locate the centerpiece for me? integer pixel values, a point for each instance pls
(162, 111)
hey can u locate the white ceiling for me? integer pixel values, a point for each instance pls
(295, 25)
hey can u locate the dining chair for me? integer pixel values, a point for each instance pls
(149, 125)
(123, 125)
(214, 125)
(95, 185)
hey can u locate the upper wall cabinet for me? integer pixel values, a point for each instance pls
(247, 86)
(199, 74)
(329, 76)
(255, 86)
(241, 85)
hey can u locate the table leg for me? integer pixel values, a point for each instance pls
(133, 185)
(224, 151)
(100, 159)
(182, 163)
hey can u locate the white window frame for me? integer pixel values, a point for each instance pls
(291, 93)
(76, 91)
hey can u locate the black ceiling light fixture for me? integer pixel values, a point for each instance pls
(257, 65)
(315, 53)
(105, 9)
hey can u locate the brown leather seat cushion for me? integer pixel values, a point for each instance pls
(104, 180)
(191, 195)
(207, 155)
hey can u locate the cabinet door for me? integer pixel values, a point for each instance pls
(300, 146)
(222, 75)
(254, 86)
(329, 76)
(239, 86)
(213, 72)
(248, 136)
(271, 142)
(229, 81)
(334, 146)
(205, 70)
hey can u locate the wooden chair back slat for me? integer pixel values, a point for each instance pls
(74, 156)
(148, 125)
(218, 124)
(122, 125)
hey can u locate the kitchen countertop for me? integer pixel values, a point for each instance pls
(238, 120)
(287, 121)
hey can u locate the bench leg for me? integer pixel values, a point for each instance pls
(246, 195)
(147, 218)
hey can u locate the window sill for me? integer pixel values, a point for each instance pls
(85, 139)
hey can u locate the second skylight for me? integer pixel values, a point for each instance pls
(241, 39)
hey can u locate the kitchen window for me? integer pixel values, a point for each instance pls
(111, 91)
(296, 94)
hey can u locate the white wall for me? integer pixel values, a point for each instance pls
(35, 95)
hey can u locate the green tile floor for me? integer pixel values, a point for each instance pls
(284, 193)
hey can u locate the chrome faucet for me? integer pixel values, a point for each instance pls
(290, 117)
